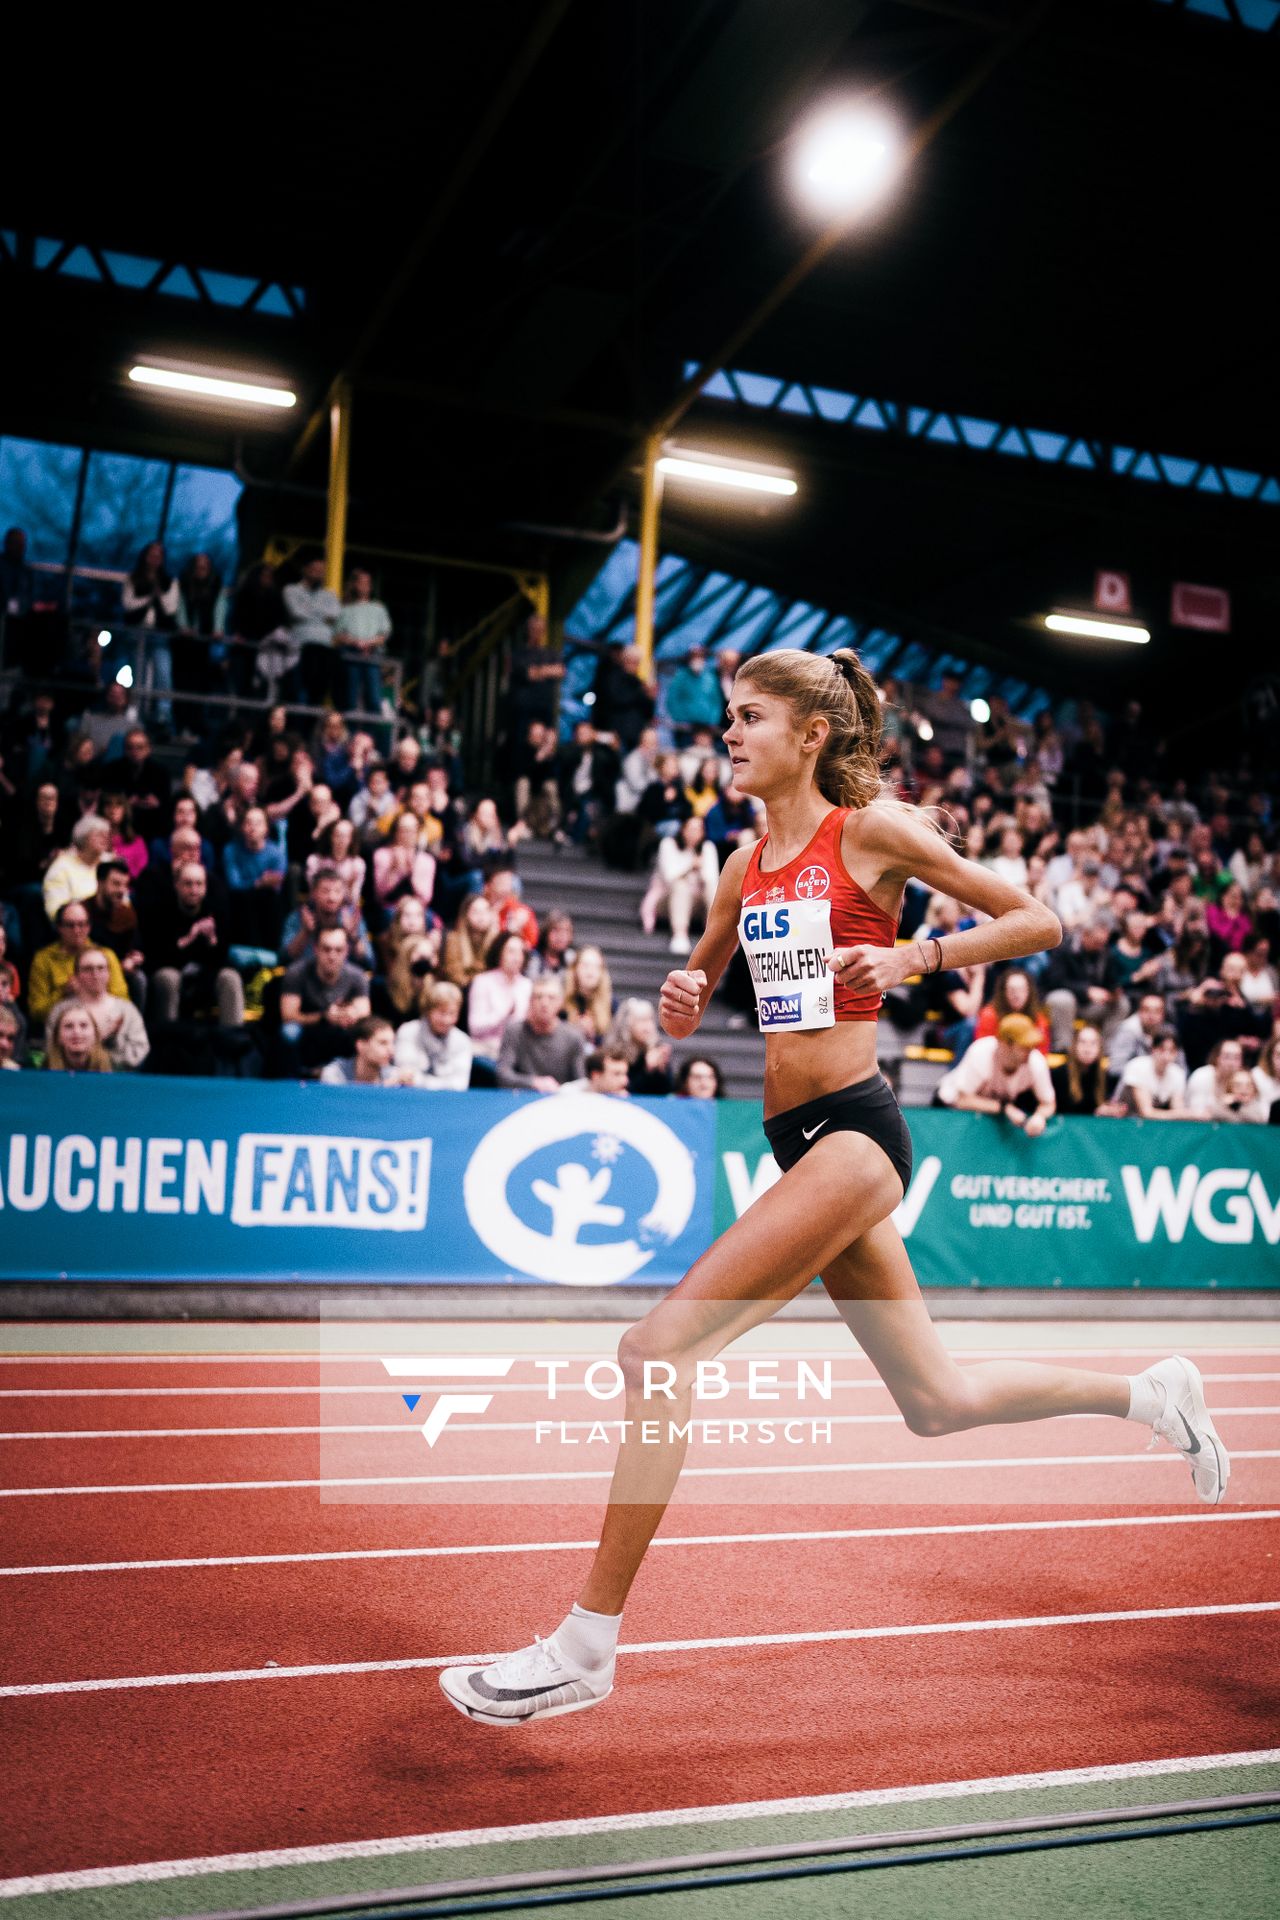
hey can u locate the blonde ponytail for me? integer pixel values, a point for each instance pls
(849, 768)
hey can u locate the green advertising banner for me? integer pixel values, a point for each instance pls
(1091, 1203)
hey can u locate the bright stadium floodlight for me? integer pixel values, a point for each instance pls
(125, 676)
(845, 159)
(208, 386)
(104, 638)
(709, 470)
(1092, 629)
(979, 711)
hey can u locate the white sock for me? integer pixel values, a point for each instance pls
(1147, 1399)
(589, 1638)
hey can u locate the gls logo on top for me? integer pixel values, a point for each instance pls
(780, 1010)
(761, 924)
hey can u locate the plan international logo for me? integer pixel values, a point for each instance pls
(780, 1010)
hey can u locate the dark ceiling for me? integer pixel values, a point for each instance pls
(516, 223)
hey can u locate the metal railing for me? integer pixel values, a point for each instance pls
(481, 675)
(123, 649)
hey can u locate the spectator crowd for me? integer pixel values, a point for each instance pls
(1162, 1000)
(285, 896)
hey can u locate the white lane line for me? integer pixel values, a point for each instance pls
(208, 1433)
(606, 1473)
(384, 1389)
(1217, 1518)
(152, 1393)
(84, 1879)
(719, 1643)
(841, 1341)
(410, 1429)
(281, 1359)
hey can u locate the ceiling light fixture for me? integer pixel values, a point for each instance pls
(845, 158)
(704, 470)
(1093, 629)
(207, 386)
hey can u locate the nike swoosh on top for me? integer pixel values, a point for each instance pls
(809, 1132)
(747, 897)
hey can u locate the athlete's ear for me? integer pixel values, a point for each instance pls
(814, 737)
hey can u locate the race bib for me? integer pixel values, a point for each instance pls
(787, 948)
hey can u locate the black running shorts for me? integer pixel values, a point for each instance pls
(866, 1107)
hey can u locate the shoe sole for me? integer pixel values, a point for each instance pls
(1207, 1428)
(508, 1720)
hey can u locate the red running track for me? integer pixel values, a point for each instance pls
(107, 1778)
(211, 1619)
(892, 1469)
(102, 1779)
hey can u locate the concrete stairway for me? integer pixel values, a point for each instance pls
(605, 906)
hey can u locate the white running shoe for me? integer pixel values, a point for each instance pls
(1186, 1425)
(533, 1684)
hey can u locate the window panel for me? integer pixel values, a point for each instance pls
(202, 518)
(123, 500)
(37, 493)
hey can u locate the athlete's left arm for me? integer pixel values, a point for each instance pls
(907, 849)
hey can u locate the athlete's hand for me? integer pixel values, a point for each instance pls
(868, 969)
(680, 1002)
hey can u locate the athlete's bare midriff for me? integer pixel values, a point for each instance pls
(801, 1066)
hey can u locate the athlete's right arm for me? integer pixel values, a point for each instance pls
(686, 991)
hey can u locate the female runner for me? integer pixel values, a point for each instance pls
(815, 905)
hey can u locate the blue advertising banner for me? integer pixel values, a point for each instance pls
(160, 1180)
(105, 1178)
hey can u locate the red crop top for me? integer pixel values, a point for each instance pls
(792, 918)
